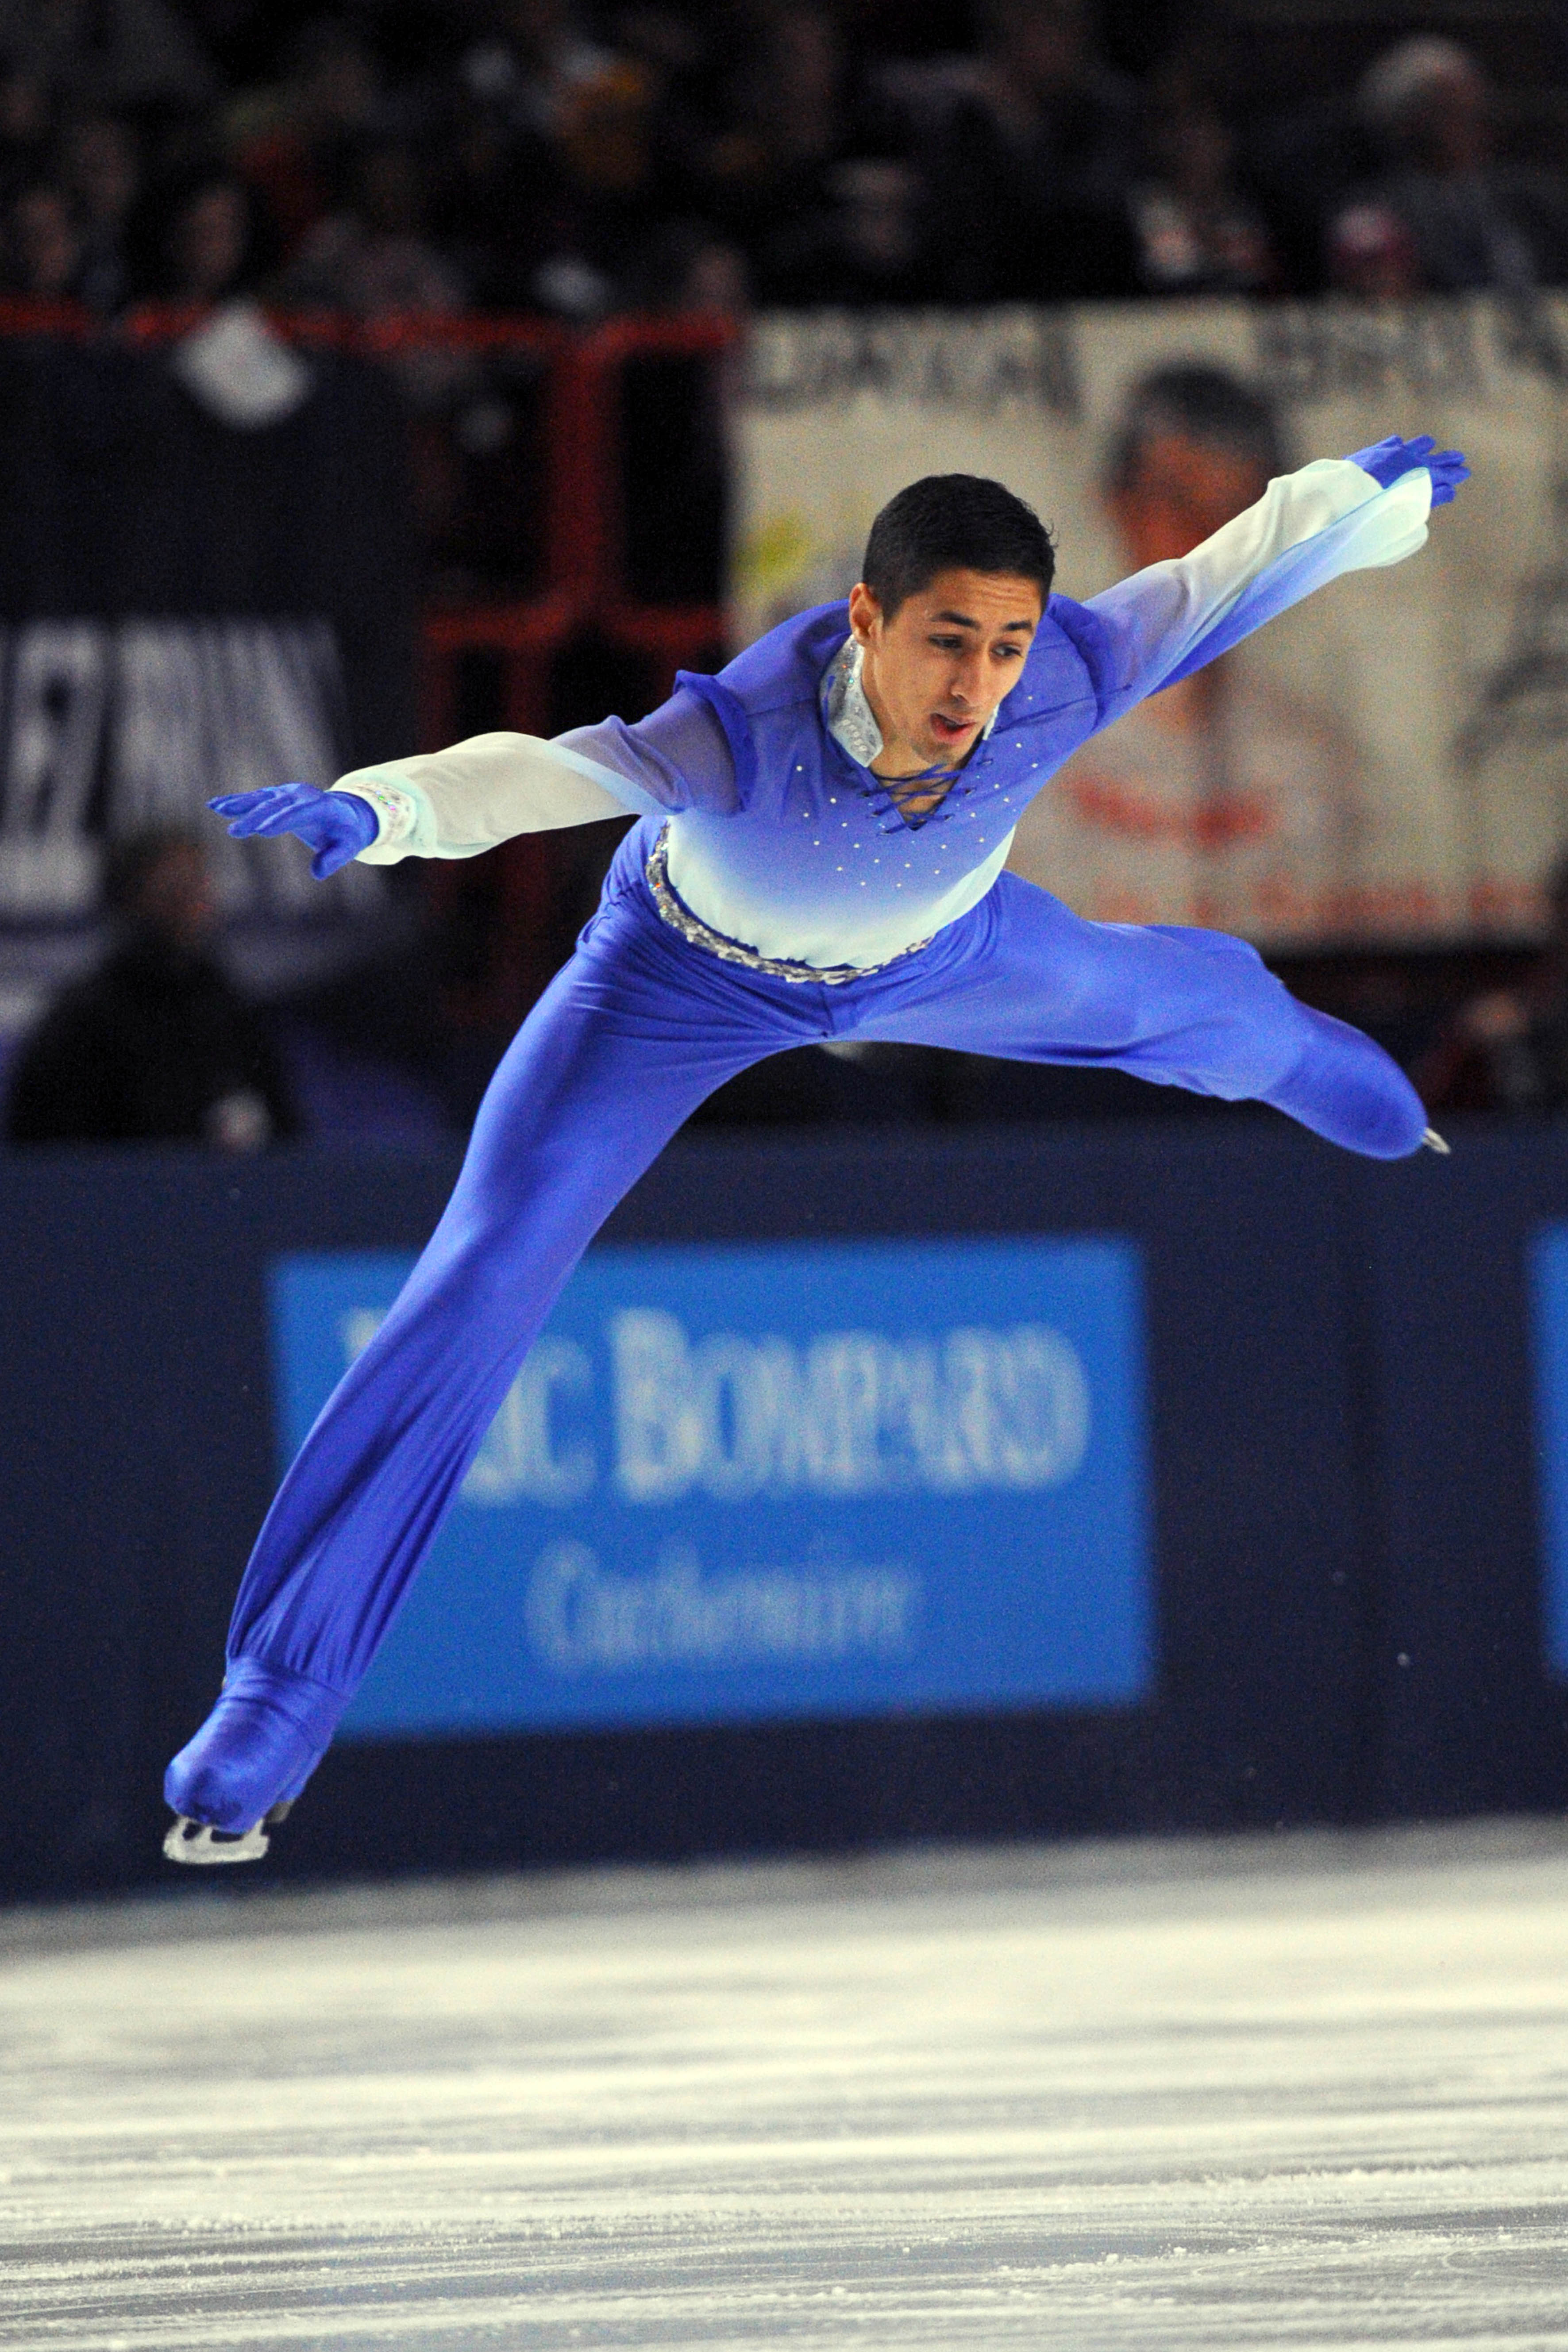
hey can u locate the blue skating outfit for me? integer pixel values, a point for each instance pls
(772, 896)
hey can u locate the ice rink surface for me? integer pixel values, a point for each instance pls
(1308, 2092)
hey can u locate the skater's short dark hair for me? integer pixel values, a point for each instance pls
(954, 522)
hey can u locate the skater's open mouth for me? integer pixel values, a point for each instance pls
(949, 730)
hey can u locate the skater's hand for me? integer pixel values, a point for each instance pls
(337, 825)
(1387, 459)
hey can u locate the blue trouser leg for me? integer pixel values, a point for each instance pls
(623, 1047)
(1024, 977)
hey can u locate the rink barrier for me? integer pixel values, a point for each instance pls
(1467, 1710)
(1352, 1590)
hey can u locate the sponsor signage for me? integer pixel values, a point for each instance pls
(1549, 1282)
(731, 1484)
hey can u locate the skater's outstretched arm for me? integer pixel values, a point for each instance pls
(460, 802)
(1337, 515)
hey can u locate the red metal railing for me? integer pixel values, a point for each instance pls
(584, 583)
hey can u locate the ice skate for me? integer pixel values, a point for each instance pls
(198, 1841)
(252, 1757)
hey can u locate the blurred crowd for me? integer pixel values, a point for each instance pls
(572, 161)
(528, 155)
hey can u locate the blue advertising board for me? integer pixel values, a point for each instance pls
(735, 1484)
(1549, 1284)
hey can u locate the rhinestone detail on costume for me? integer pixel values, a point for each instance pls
(395, 816)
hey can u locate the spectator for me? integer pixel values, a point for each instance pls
(114, 54)
(858, 242)
(1507, 1049)
(873, 252)
(1446, 217)
(1197, 233)
(765, 176)
(495, 190)
(607, 198)
(204, 239)
(537, 178)
(23, 127)
(1372, 254)
(1027, 183)
(530, 57)
(101, 170)
(155, 1045)
(43, 245)
(1305, 165)
(371, 257)
(684, 269)
(293, 145)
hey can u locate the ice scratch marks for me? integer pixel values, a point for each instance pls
(1324, 2109)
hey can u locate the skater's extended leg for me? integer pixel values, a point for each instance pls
(1024, 977)
(626, 1042)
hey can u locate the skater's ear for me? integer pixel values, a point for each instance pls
(865, 614)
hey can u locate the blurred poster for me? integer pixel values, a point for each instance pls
(1389, 762)
(207, 583)
(737, 1484)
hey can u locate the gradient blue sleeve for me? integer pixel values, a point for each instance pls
(1308, 528)
(677, 757)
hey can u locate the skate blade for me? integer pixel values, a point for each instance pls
(198, 1843)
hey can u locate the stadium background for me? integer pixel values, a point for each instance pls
(374, 379)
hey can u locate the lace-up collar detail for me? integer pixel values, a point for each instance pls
(852, 723)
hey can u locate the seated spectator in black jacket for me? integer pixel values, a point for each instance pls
(1027, 183)
(156, 1046)
(1446, 216)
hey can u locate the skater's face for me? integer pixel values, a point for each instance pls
(937, 667)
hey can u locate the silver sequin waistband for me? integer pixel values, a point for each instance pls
(680, 918)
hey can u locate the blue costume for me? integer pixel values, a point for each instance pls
(772, 895)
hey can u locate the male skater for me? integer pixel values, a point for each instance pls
(825, 826)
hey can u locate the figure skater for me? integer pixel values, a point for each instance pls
(824, 830)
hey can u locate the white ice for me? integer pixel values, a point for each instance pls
(1311, 2092)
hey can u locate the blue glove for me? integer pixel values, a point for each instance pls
(337, 825)
(1387, 461)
